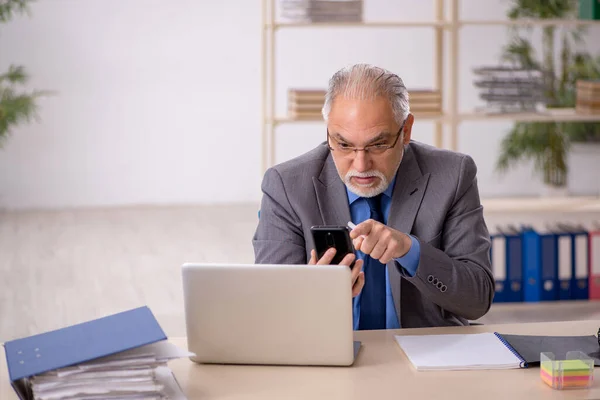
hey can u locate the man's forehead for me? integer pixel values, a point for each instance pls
(370, 135)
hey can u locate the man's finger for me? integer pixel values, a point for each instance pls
(347, 260)
(379, 249)
(313, 257)
(364, 228)
(359, 284)
(327, 257)
(357, 242)
(356, 270)
(368, 244)
(389, 253)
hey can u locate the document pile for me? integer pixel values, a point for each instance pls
(120, 356)
(140, 373)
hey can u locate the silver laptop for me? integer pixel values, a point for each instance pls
(269, 314)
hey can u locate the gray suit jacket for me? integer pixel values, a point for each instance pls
(435, 199)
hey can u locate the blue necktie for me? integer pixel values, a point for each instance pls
(372, 300)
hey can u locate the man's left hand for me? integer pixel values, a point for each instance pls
(380, 241)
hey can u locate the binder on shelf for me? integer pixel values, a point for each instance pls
(88, 347)
(574, 282)
(507, 266)
(594, 255)
(566, 264)
(540, 260)
(581, 264)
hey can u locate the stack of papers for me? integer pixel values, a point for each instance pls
(139, 373)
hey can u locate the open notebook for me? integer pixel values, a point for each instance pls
(489, 350)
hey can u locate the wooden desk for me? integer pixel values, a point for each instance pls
(381, 371)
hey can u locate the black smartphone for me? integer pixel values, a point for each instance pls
(327, 236)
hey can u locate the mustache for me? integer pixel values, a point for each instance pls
(366, 174)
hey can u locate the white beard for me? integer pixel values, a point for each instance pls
(366, 190)
(369, 190)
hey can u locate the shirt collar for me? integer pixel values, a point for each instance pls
(352, 197)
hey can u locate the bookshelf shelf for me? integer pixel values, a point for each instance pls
(562, 115)
(549, 116)
(434, 24)
(542, 204)
(530, 22)
(365, 24)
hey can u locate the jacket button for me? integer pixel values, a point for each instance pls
(435, 281)
(443, 288)
(439, 285)
(430, 278)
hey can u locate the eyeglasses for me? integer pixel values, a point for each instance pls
(373, 149)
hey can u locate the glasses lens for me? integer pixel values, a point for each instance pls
(378, 149)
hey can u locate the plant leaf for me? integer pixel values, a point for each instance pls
(8, 8)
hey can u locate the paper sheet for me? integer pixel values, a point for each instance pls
(133, 374)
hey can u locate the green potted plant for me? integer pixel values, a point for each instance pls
(17, 105)
(548, 143)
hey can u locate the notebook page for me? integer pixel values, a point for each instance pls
(457, 352)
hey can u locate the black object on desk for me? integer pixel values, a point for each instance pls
(529, 347)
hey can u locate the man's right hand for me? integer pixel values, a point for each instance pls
(358, 277)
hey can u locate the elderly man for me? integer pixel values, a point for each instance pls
(421, 240)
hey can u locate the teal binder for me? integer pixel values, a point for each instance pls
(589, 9)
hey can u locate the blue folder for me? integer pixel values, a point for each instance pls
(540, 253)
(574, 284)
(510, 245)
(566, 267)
(580, 274)
(79, 343)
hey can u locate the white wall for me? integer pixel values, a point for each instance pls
(159, 102)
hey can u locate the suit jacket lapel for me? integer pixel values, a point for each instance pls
(408, 193)
(406, 199)
(331, 195)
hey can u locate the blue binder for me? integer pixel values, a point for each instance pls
(581, 267)
(79, 343)
(540, 271)
(507, 264)
(564, 255)
(574, 284)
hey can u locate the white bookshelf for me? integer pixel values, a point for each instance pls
(549, 115)
(565, 114)
(366, 24)
(444, 22)
(530, 22)
(583, 204)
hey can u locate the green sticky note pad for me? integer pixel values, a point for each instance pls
(574, 366)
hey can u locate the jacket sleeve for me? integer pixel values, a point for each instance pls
(278, 238)
(455, 268)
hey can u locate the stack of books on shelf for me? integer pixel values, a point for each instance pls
(305, 103)
(506, 89)
(425, 103)
(310, 11)
(588, 97)
(121, 356)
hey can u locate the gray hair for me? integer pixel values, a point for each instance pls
(365, 81)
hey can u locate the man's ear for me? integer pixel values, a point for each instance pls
(408, 129)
